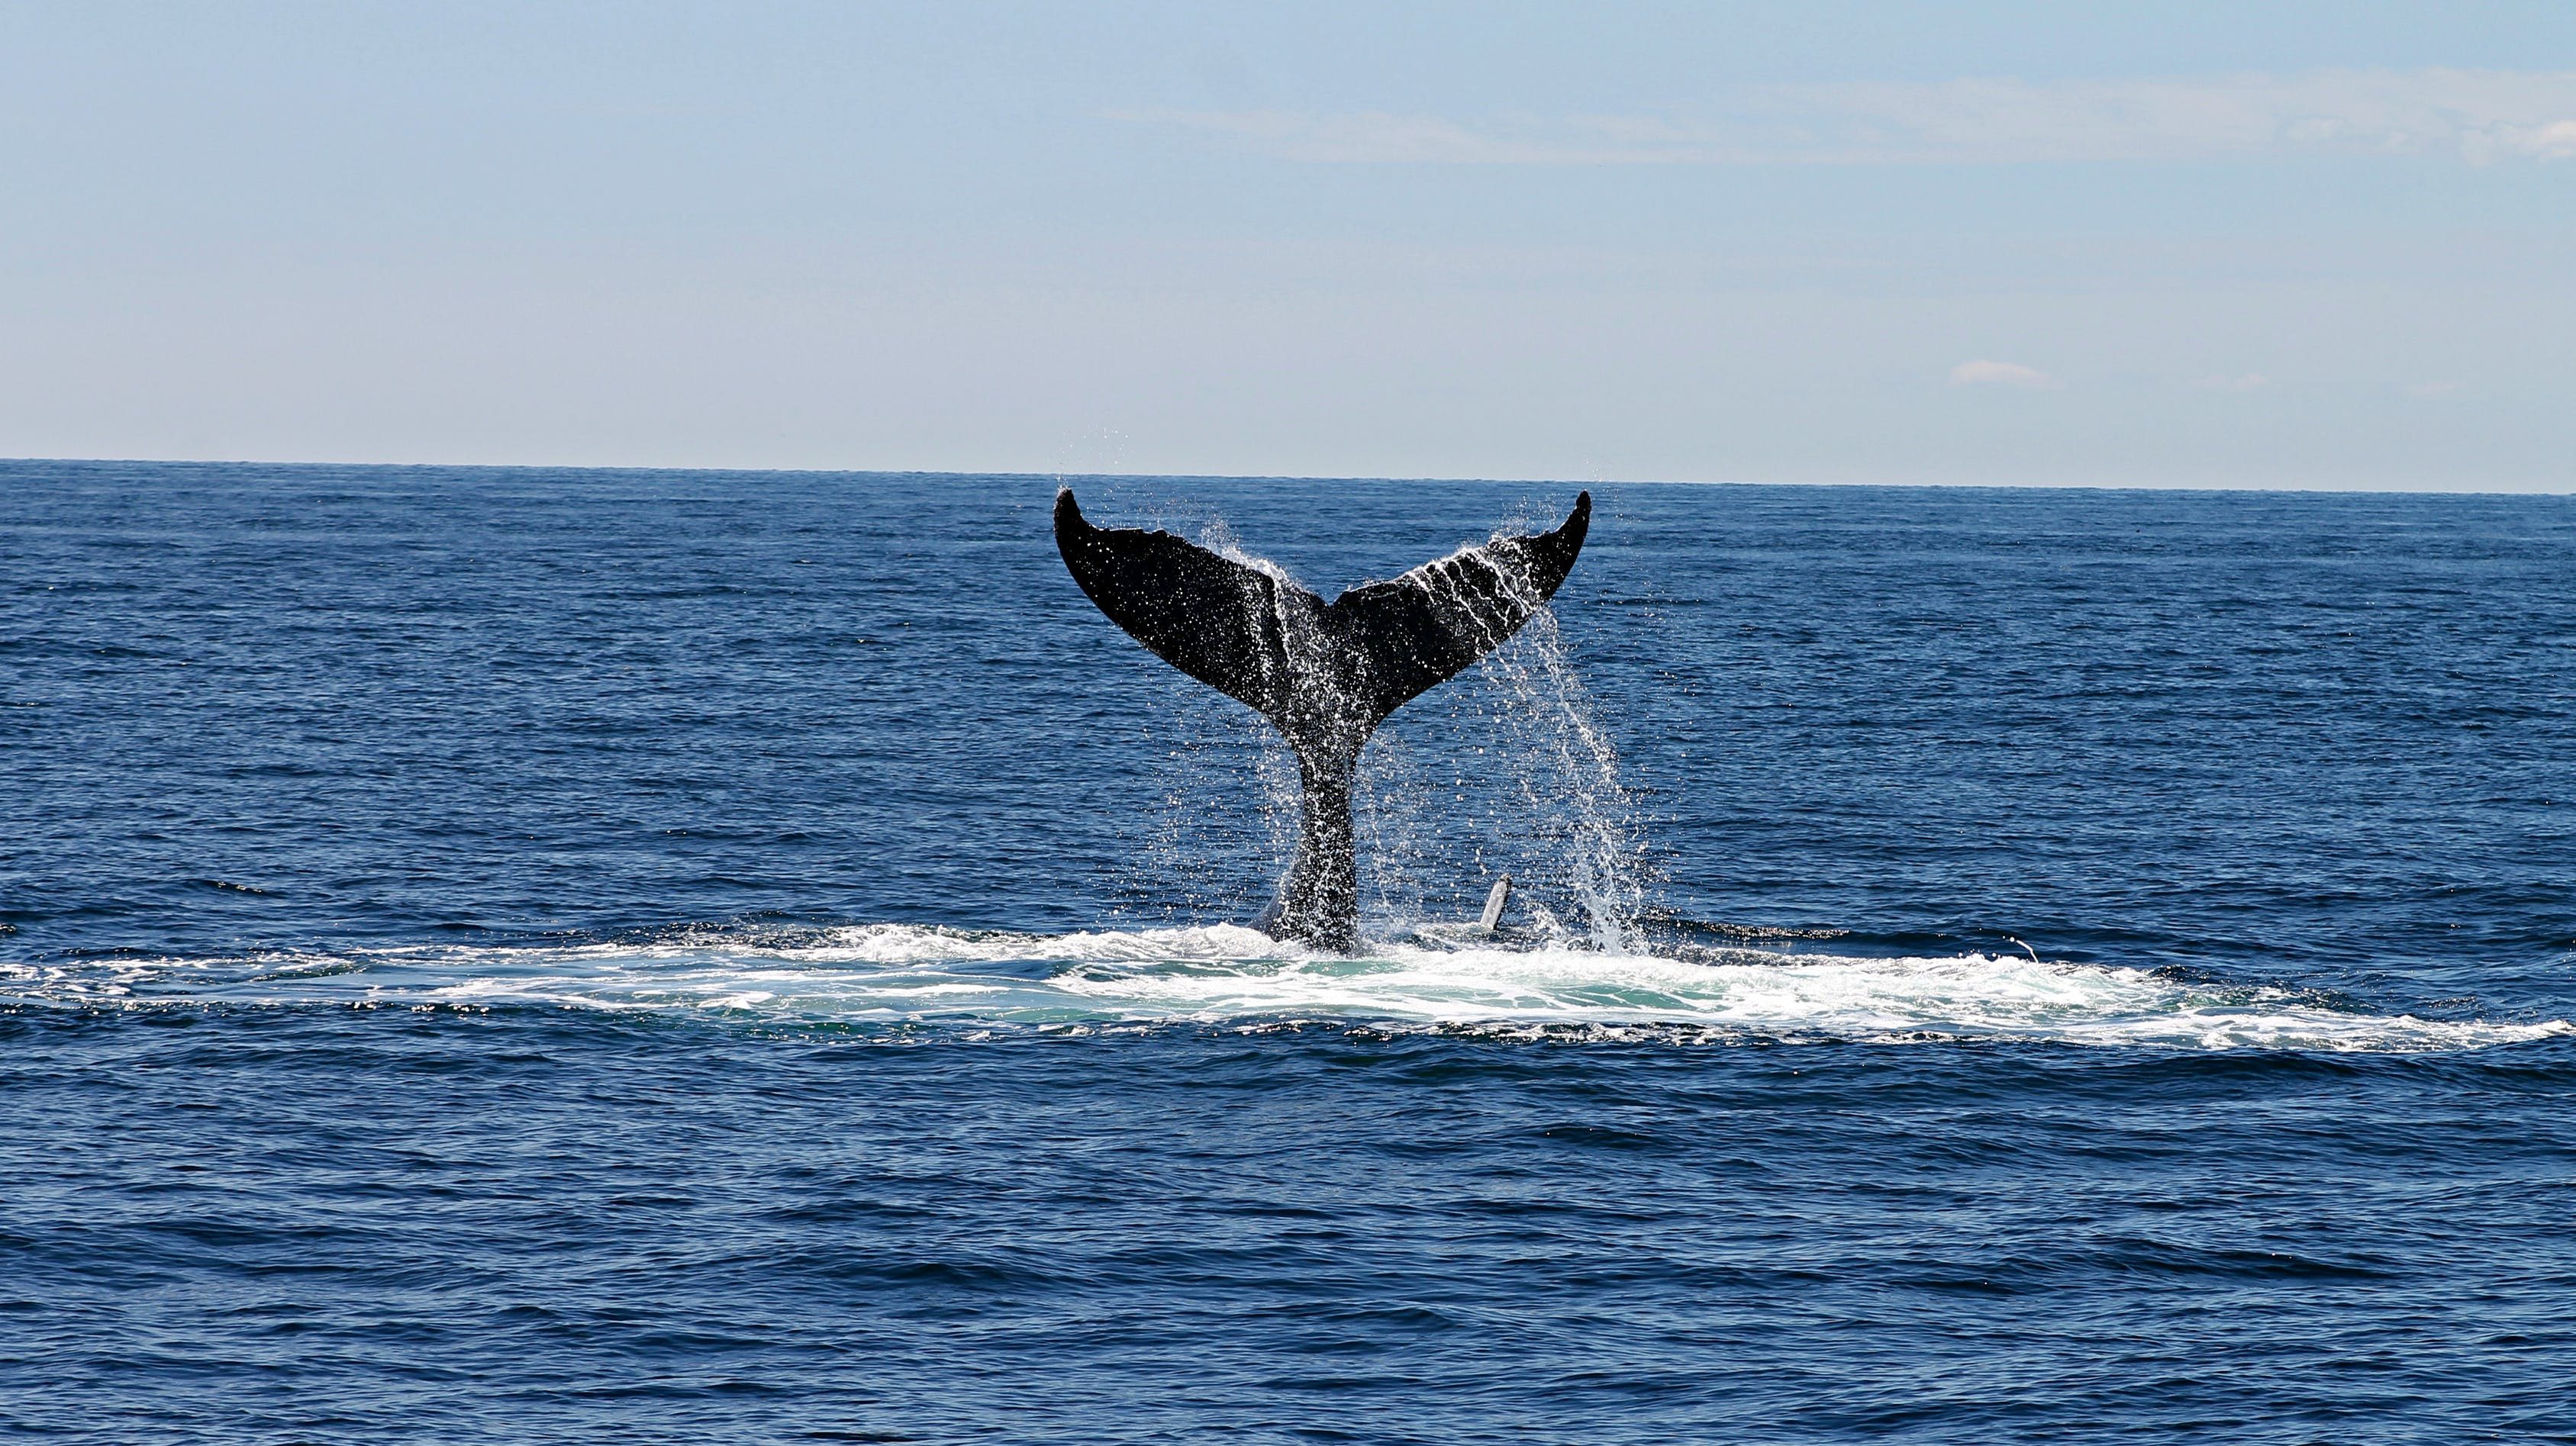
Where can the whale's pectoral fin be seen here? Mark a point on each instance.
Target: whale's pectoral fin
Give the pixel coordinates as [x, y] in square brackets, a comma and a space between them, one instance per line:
[1427, 626]
[1211, 617]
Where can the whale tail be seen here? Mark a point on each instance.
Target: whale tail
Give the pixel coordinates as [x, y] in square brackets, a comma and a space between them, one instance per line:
[1325, 675]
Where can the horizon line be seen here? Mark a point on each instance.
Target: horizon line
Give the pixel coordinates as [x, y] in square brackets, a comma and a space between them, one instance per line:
[1061, 474]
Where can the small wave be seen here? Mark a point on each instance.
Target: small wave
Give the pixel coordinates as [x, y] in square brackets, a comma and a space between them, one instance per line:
[1225, 975]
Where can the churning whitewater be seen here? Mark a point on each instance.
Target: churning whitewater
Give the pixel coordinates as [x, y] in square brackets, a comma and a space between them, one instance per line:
[1229, 976]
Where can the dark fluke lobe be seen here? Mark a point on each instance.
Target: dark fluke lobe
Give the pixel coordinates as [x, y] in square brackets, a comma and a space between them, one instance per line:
[1324, 674]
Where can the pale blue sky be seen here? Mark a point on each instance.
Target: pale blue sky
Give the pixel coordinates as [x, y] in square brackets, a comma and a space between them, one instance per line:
[2290, 245]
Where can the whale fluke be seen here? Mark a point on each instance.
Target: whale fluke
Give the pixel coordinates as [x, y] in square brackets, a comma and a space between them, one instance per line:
[1324, 674]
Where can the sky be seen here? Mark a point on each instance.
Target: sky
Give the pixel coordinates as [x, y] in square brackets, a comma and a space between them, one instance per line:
[2170, 244]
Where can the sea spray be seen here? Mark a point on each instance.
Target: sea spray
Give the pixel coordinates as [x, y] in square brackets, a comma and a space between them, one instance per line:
[1507, 767]
[1564, 774]
[1511, 766]
[1225, 814]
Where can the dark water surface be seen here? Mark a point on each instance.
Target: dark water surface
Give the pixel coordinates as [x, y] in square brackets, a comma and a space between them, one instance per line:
[510, 955]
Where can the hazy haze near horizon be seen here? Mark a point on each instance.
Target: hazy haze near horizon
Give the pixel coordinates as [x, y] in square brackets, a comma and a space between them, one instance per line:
[2149, 245]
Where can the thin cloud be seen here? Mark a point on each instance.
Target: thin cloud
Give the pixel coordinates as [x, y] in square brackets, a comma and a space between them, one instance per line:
[2249, 382]
[1383, 138]
[2482, 117]
[2000, 374]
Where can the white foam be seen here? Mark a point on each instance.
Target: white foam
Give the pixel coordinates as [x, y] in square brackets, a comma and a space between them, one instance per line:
[1225, 975]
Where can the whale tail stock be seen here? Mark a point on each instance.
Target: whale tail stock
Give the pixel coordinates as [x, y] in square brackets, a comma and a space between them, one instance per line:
[1324, 674]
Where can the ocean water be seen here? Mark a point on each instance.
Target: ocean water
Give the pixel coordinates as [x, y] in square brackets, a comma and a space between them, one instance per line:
[518, 955]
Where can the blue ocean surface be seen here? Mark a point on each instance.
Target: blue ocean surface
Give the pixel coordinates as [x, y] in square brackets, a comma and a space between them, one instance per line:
[522, 955]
